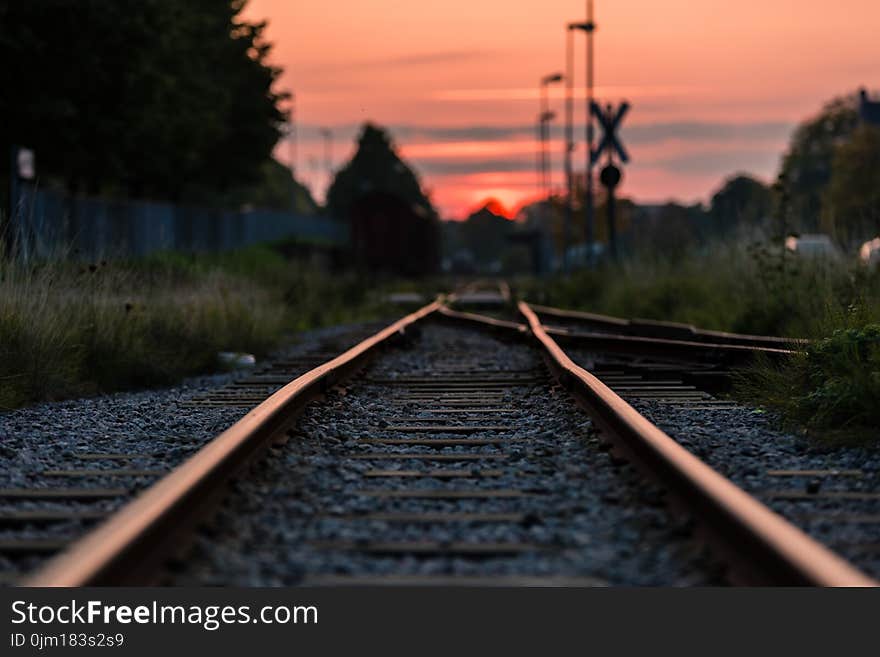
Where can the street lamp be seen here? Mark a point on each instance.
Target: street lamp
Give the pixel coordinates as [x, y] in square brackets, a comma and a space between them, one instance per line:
[291, 144]
[589, 27]
[544, 123]
[544, 119]
[328, 152]
[291, 134]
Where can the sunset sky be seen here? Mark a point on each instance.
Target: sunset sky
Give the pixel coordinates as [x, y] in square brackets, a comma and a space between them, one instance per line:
[716, 85]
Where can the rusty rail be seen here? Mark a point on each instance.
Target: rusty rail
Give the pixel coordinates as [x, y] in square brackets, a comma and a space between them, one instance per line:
[649, 328]
[488, 322]
[768, 547]
[722, 354]
[147, 530]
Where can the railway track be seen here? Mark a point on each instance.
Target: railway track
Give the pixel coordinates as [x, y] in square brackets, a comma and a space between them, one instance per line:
[74, 486]
[446, 448]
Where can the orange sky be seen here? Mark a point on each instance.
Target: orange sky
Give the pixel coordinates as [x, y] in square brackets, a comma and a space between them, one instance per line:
[716, 85]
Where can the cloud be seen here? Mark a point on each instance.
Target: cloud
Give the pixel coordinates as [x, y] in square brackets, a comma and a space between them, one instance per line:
[456, 166]
[464, 133]
[640, 133]
[722, 162]
[648, 133]
[401, 61]
[716, 161]
[495, 94]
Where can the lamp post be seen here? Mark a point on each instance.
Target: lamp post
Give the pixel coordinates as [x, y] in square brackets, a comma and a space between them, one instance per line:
[539, 135]
[291, 145]
[328, 153]
[569, 139]
[545, 117]
[588, 27]
[544, 122]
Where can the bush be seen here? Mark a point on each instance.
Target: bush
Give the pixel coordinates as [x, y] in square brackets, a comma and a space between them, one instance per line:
[832, 390]
[843, 379]
[747, 290]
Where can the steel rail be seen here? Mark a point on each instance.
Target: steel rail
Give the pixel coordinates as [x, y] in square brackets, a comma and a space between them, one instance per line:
[771, 549]
[727, 354]
[650, 328]
[147, 530]
[488, 322]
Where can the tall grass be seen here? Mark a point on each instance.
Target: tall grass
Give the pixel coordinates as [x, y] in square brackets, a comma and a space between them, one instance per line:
[745, 289]
[831, 391]
[71, 329]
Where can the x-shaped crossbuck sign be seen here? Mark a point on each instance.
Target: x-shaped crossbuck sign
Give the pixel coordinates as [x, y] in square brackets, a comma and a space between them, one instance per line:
[610, 122]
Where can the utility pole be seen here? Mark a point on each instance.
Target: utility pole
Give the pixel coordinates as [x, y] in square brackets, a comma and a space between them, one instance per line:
[590, 28]
[328, 152]
[610, 176]
[539, 174]
[545, 117]
[569, 143]
[293, 136]
[291, 144]
[7, 234]
[14, 235]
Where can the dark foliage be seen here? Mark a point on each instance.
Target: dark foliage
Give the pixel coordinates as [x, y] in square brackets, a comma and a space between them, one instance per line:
[807, 166]
[375, 167]
[392, 236]
[161, 98]
[742, 200]
[394, 227]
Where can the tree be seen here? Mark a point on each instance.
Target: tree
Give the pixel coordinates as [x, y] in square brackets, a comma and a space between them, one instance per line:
[852, 202]
[807, 166]
[375, 167]
[274, 190]
[486, 232]
[742, 201]
[163, 98]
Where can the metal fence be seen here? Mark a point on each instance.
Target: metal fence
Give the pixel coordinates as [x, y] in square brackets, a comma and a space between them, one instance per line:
[47, 224]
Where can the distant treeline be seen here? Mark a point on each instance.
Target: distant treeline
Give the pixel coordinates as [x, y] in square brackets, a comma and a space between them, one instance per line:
[164, 99]
[394, 226]
[828, 182]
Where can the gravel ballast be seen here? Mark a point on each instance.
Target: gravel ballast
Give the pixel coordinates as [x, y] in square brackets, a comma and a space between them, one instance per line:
[158, 428]
[303, 513]
[832, 493]
[566, 510]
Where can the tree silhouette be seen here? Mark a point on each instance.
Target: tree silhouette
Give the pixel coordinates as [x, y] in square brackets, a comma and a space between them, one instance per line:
[852, 203]
[807, 165]
[161, 98]
[741, 201]
[375, 167]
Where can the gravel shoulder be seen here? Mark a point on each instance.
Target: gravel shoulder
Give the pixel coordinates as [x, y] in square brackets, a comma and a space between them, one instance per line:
[582, 513]
[587, 515]
[156, 428]
[832, 493]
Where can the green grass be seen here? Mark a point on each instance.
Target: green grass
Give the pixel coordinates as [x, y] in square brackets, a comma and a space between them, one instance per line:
[70, 329]
[745, 290]
[830, 393]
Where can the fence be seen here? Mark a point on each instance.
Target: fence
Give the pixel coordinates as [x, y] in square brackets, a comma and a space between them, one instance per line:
[47, 223]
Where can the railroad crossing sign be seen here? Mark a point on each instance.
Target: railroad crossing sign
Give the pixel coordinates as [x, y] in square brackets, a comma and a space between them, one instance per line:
[610, 122]
[610, 176]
